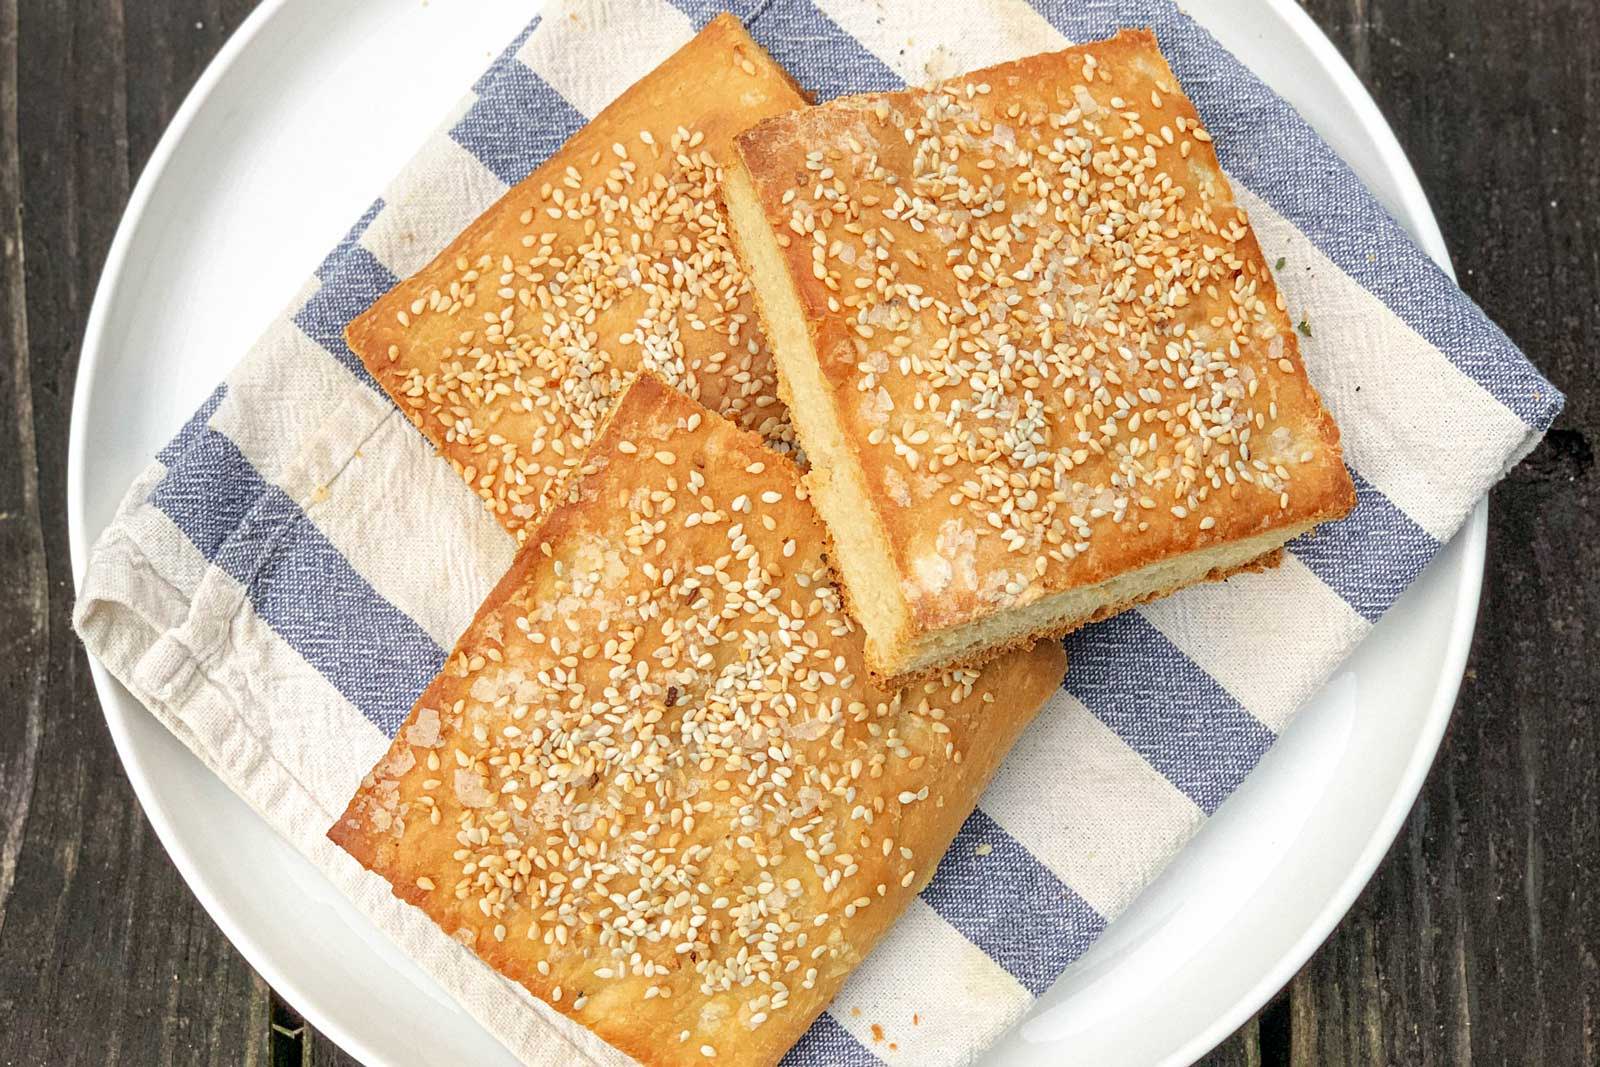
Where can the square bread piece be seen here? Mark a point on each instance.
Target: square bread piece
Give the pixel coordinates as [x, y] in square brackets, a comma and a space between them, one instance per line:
[509, 348]
[1031, 349]
[654, 783]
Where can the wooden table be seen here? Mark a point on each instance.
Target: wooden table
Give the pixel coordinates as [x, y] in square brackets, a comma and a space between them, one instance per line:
[1477, 942]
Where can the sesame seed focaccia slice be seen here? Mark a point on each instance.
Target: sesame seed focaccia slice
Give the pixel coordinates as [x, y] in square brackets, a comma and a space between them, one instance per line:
[654, 783]
[509, 348]
[1032, 350]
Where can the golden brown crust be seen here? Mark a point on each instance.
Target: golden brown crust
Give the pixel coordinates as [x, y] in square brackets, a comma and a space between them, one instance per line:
[508, 348]
[699, 785]
[1050, 347]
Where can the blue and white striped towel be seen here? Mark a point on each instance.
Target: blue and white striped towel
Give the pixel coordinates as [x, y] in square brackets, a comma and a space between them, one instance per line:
[284, 580]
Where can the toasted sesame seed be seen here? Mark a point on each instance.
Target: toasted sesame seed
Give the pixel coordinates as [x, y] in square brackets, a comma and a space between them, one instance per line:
[1003, 407]
[586, 224]
[1073, 340]
[664, 759]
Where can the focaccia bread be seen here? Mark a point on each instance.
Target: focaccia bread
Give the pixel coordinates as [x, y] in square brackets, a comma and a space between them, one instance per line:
[1032, 350]
[508, 349]
[653, 783]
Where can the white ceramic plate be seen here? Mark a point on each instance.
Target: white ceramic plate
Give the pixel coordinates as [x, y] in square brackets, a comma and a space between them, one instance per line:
[283, 141]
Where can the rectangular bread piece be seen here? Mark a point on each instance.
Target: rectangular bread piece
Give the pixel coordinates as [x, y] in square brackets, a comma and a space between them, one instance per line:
[1032, 350]
[654, 783]
[508, 349]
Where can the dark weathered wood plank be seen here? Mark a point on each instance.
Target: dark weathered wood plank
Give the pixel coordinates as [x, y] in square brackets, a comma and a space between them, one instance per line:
[1477, 939]
[1241, 1049]
[22, 581]
[175, 40]
[297, 1044]
[105, 956]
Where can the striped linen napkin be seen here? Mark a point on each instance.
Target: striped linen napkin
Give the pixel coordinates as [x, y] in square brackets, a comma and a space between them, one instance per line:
[283, 581]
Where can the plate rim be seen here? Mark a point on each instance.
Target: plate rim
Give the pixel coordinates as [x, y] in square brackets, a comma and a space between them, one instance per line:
[1472, 537]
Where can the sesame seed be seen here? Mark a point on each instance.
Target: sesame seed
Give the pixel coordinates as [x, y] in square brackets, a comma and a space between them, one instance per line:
[999, 405]
[639, 711]
[1053, 332]
[588, 224]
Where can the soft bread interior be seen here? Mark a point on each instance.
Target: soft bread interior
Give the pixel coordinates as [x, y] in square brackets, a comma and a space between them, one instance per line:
[861, 551]
[1069, 609]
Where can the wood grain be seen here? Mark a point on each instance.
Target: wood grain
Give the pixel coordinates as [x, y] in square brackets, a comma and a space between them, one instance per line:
[105, 956]
[22, 663]
[1476, 942]
[1241, 1049]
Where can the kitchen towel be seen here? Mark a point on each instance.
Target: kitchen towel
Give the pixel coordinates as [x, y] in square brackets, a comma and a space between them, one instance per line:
[283, 581]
